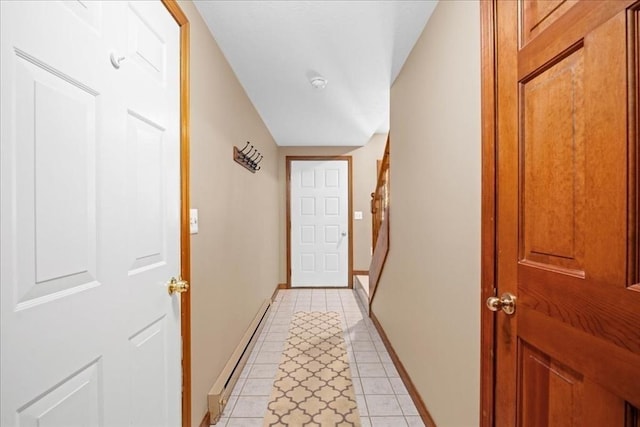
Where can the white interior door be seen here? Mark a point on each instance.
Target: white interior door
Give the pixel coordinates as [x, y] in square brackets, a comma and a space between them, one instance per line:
[319, 222]
[89, 180]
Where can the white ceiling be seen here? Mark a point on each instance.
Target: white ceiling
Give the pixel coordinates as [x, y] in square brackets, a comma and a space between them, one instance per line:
[275, 47]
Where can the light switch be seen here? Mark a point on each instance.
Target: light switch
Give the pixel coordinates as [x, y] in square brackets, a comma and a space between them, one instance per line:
[193, 221]
[357, 215]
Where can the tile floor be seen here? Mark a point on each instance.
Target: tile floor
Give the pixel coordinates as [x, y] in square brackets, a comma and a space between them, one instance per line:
[382, 397]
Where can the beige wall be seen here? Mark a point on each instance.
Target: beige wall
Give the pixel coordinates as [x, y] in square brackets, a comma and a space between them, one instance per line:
[364, 182]
[428, 300]
[234, 258]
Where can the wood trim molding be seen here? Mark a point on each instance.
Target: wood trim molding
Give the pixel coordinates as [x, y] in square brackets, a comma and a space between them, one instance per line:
[488, 228]
[185, 236]
[360, 272]
[404, 375]
[349, 160]
[633, 261]
[177, 13]
[206, 420]
[288, 219]
[379, 258]
[350, 204]
[275, 292]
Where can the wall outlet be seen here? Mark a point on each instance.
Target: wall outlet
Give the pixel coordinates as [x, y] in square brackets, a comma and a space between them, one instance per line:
[357, 215]
[193, 221]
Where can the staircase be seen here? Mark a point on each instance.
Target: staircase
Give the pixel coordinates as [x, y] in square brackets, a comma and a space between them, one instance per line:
[380, 224]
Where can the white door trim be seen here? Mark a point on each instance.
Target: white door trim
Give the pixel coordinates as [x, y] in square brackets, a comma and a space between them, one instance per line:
[349, 161]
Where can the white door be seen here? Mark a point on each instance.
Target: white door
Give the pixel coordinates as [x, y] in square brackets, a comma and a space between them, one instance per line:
[319, 222]
[89, 180]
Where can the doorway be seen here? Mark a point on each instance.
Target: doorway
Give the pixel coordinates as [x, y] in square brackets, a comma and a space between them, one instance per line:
[319, 221]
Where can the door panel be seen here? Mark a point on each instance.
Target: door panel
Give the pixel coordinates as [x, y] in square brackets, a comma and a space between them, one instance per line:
[540, 14]
[149, 363]
[570, 355]
[145, 189]
[552, 176]
[75, 401]
[550, 393]
[145, 44]
[319, 213]
[90, 12]
[58, 255]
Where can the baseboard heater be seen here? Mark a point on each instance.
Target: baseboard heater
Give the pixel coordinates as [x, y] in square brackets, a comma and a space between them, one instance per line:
[221, 390]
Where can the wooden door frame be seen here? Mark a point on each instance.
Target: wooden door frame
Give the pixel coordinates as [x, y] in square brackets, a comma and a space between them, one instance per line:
[349, 161]
[185, 234]
[488, 40]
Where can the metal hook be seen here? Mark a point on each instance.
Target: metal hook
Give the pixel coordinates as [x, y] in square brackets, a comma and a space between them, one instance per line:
[250, 153]
[244, 148]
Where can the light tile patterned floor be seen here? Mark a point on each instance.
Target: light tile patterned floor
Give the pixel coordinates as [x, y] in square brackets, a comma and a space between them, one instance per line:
[382, 397]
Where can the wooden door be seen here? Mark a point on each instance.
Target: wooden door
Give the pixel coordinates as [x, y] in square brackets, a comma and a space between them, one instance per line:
[90, 211]
[319, 212]
[567, 243]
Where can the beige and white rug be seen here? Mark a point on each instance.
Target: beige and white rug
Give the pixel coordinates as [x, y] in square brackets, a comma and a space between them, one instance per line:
[313, 385]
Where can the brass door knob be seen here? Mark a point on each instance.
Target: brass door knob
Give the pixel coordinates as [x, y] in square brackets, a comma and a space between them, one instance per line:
[506, 303]
[178, 285]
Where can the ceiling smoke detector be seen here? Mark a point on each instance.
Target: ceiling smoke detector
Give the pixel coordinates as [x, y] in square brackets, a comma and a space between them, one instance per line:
[318, 82]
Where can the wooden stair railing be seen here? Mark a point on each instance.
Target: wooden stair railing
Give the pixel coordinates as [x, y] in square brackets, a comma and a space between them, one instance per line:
[380, 224]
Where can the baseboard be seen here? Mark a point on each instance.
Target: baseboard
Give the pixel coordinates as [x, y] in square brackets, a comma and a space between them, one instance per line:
[206, 420]
[220, 392]
[360, 272]
[280, 286]
[413, 392]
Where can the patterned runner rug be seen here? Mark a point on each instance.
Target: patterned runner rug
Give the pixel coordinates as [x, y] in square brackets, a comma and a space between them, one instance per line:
[313, 385]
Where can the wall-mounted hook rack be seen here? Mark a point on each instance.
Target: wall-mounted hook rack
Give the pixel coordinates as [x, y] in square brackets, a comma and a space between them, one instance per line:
[248, 157]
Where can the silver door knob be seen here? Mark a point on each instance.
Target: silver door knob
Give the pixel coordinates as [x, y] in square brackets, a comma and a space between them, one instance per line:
[344, 233]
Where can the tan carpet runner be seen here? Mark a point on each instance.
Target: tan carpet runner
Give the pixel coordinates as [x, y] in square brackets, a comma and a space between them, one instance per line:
[313, 385]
